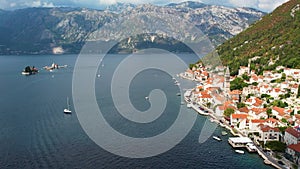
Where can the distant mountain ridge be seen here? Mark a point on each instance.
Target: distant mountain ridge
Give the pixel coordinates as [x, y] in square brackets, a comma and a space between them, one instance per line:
[275, 39]
[39, 30]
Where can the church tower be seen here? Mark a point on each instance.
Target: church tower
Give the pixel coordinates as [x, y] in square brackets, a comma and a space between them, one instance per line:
[227, 80]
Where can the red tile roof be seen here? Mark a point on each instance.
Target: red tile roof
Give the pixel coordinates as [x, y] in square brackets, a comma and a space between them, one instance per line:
[258, 121]
[257, 111]
[205, 73]
[295, 147]
[205, 95]
[293, 132]
[277, 90]
[268, 129]
[295, 86]
[239, 116]
[235, 92]
[244, 110]
[279, 110]
[272, 120]
[254, 77]
[297, 116]
[258, 102]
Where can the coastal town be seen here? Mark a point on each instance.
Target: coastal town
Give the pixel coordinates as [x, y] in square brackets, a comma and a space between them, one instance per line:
[261, 107]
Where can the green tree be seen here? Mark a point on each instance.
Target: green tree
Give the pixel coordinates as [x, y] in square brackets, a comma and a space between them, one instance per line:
[276, 146]
[238, 84]
[292, 113]
[269, 112]
[265, 96]
[245, 77]
[279, 103]
[191, 66]
[241, 105]
[284, 120]
[298, 95]
[228, 112]
[283, 77]
[254, 83]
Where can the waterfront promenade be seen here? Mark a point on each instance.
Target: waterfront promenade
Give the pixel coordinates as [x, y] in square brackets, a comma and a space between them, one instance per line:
[269, 160]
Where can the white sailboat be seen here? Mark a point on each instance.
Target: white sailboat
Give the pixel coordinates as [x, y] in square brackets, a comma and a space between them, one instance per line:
[67, 110]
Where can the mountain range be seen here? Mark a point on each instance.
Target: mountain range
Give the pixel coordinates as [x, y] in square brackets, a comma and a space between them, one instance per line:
[39, 30]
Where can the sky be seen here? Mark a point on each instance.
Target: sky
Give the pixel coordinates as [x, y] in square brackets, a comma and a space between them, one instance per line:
[263, 5]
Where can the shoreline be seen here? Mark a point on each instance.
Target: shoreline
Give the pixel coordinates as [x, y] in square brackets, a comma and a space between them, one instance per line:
[215, 120]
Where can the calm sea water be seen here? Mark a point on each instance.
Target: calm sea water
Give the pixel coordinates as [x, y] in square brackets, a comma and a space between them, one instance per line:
[35, 133]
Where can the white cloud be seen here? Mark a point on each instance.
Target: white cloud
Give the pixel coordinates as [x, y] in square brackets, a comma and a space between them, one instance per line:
[264, 5]
[36, 3]
[48, 5]
[106, 2]
[244, 3]
[39, 3]
[12, 4]
[269, 5]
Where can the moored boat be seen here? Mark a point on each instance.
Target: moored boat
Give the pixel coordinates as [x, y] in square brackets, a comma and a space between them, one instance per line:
[217, 138]
[251, 147]
[224, 133]
[239, 151]
[30, 70]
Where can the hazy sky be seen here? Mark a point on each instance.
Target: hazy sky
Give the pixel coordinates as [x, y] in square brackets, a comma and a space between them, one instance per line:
[264, 5]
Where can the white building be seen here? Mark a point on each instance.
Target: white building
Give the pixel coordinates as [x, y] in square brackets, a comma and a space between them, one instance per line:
[292, 136]
[239, 120]
[267, 133]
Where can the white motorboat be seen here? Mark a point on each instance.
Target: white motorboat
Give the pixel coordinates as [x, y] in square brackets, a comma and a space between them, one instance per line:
[217, 138]
[239, 151]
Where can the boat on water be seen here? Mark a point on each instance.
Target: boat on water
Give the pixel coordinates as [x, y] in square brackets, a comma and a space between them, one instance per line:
[224, 133]
[54, 66]
[217, 138]
[189, 105]
[25, 73]
[178, 94]
[30, 70]
[251, 147]
[147, 98]
[67, 110]
[239, 151]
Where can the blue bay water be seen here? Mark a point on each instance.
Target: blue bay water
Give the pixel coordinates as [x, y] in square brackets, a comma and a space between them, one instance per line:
[35, 133]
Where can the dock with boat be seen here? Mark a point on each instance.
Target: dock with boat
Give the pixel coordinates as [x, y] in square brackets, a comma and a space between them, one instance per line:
[238, 142]
[242, 142]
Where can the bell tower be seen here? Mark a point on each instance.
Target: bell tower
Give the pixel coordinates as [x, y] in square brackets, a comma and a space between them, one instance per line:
[227, 80]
